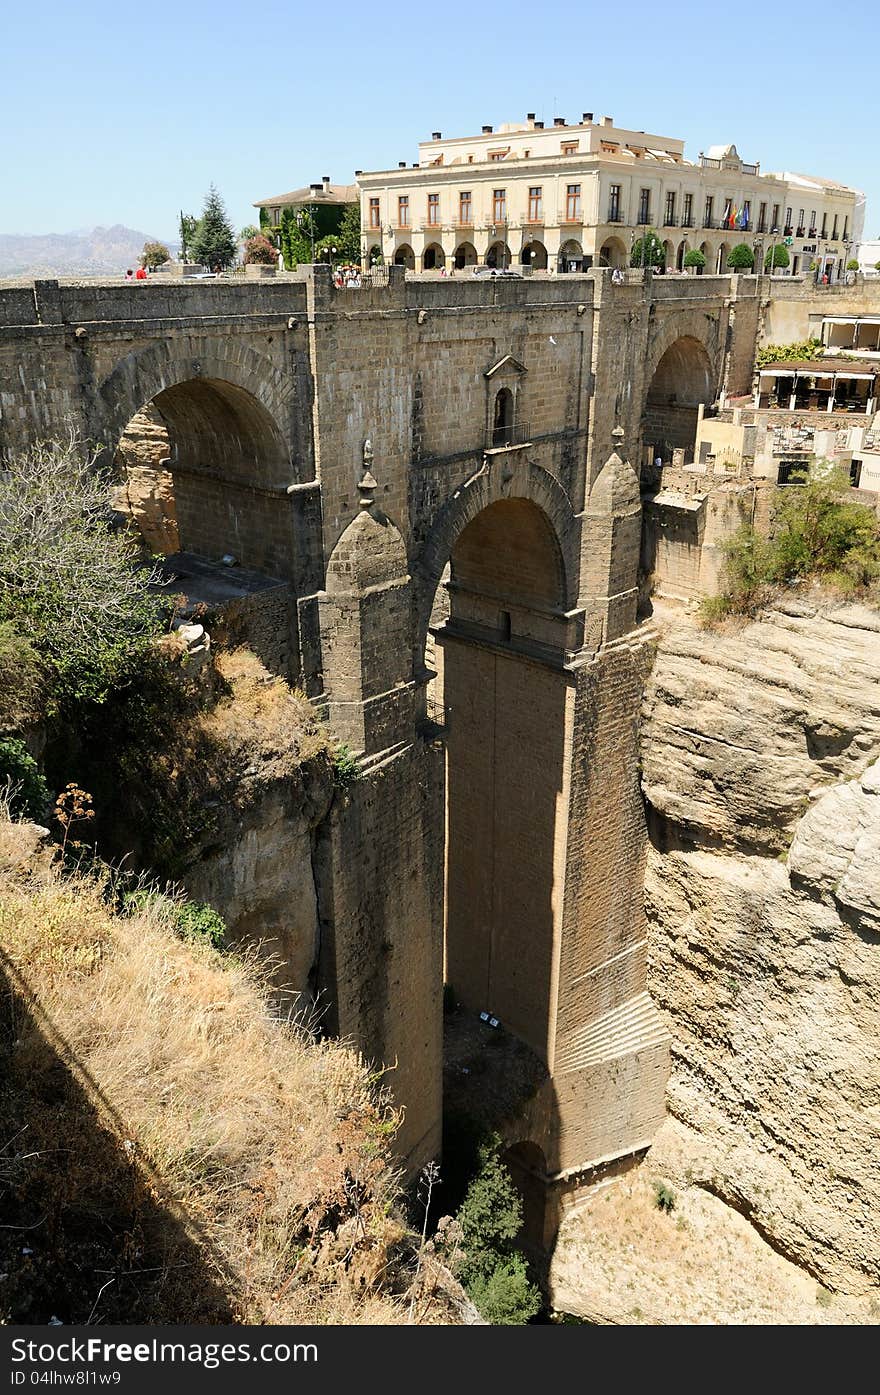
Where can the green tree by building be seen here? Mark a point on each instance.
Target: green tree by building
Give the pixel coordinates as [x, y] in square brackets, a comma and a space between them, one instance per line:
[648, 251]
[214, 242]
[741, 257]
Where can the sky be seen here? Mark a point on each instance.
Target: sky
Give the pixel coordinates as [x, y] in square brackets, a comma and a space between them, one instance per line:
[122, 114]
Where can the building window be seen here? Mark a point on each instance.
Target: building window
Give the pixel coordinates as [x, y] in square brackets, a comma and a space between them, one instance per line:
[762, 218]
[669, 217]
[845, 226]
[276, 217]
[745, 216]
[644, 205]
[570, 147]
[834, 230]
[497, 154]
[499, 205]
[572, 203]
[433, 209]
[787, 222]
[536, 210]
[800, 222]
[774, 221]
[614, 204]
[374, 213]
[727, 215]
[707, 212]
[688, 215]
[465, 209]
[824, 232]
[403, 210]
[502, 418]
[812, 221]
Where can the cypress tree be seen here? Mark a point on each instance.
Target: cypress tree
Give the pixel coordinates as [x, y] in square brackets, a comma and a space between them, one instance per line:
[214, 241]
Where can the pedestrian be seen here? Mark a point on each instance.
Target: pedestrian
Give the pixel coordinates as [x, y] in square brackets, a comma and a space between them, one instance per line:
[141, 274]
[129, 275]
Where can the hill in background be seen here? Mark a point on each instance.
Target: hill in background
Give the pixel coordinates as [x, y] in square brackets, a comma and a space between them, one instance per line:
[101, 252]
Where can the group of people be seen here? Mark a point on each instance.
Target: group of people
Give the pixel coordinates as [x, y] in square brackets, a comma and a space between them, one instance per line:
[347, 277]
[139, 275]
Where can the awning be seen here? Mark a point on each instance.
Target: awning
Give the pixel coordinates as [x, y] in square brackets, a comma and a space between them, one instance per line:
[673, 499]
[851, 320]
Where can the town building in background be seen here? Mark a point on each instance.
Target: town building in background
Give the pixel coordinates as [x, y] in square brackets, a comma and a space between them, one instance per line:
[567, 197]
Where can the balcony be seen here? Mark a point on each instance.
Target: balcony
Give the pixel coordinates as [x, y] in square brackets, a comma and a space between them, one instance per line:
[687, 221]
[801, 232]
[509, 437]
[465, 223]
[670, 222]
[615, 215]
[751, 169]
[572, 219]
[787, 230]
[707, 163]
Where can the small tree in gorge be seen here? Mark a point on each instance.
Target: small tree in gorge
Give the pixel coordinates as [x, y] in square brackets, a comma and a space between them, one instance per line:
[214, 242]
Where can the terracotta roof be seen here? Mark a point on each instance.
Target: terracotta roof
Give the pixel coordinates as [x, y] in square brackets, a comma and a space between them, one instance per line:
[336, 193]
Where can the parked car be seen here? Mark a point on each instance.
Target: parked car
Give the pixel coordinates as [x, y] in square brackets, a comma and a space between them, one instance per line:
[496, 271]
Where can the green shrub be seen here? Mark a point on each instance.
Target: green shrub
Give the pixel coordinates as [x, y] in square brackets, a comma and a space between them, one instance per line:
[694, 257]
[505, 1296]
[852, 264]
[20, 775]
[776, 256]
[195, 921]
[782, 353]
[346, 767]
[490, 1217]
[664, 1197]
[70, 582]
[817, 532]
[648, 250]
[21, 677]
[741, 257]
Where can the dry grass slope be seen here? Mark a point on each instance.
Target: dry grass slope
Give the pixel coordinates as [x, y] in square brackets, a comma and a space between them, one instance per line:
[170, 1148]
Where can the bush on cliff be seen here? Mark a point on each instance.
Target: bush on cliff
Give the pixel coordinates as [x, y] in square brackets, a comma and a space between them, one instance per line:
[817, 533]
[70, 585]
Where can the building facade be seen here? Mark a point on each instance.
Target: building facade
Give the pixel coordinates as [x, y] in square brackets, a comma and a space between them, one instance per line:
[568, 197]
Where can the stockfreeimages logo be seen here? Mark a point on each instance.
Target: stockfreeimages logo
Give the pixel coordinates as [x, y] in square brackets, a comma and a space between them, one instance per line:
[94, 1351]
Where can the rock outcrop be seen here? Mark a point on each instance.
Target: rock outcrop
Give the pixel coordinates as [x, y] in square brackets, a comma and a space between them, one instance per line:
[146, 492]
[762, 779]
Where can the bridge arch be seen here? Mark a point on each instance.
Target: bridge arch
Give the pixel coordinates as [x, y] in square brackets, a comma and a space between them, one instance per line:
[228, 452]
[517, 478]
[681, 374]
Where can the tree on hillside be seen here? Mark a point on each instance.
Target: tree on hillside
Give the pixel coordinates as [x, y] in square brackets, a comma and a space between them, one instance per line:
[154, 254]
[777, 255]
[214, 242]
[648, 251]
[494, 1273]
[741, 257]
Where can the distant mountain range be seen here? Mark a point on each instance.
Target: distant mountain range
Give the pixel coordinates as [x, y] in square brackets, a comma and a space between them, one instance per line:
[101, 252]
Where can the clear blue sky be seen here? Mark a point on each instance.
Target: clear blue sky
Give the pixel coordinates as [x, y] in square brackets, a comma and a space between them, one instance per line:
[124, 114]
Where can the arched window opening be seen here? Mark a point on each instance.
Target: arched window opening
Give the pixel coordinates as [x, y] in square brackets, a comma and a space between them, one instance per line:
[502, 421]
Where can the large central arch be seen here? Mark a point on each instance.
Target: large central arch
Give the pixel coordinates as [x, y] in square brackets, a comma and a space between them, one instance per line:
[500, 656]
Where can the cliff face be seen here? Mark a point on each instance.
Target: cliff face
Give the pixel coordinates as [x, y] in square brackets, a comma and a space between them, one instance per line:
[761, 774]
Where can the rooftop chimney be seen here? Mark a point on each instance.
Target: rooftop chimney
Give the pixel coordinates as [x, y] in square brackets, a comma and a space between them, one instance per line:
[358, 173]
[559, 121]
[436, 135]
[401, 164]
[487, 130]
[539, 125]
[530, 116]
[325, 180]
[607, 120]
[315, 188]
[587, 117]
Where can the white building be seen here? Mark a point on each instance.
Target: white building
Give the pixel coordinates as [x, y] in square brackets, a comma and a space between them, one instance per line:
[567, 197]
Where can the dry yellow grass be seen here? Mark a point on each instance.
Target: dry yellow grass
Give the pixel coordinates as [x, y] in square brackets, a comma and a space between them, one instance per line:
[166, 1134]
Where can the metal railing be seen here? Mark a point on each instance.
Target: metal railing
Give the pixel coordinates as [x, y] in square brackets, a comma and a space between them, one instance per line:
[515, 433]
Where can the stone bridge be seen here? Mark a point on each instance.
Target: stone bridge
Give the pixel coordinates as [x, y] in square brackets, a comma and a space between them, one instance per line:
[445, 476]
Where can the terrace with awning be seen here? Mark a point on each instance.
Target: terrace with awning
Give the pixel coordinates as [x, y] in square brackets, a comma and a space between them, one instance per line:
[855, 333]
[818, 385]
